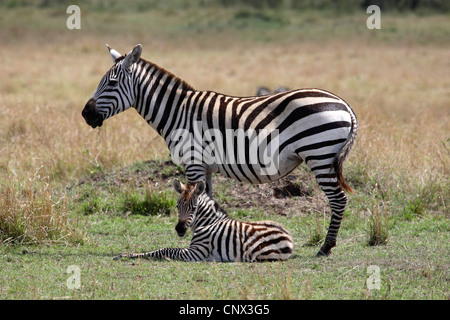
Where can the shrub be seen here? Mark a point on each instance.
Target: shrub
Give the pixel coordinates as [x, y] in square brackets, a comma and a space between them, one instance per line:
[378, 227]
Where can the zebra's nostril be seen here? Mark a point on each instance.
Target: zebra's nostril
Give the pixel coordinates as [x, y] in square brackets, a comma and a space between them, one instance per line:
[91, 114]
[85, 113]
[180, 228]
[89, 109]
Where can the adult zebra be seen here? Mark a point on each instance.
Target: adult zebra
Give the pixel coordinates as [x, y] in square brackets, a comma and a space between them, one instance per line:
[309, 125]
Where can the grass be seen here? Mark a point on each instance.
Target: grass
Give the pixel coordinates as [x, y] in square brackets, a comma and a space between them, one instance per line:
[30, 216]
[409, 269]
[128, 202]
[316, 232]
[71, 195]
[413, 263]
[378, 230]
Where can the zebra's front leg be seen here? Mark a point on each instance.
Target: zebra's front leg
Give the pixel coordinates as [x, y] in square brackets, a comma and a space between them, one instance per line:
[196, 172]
[209, 184]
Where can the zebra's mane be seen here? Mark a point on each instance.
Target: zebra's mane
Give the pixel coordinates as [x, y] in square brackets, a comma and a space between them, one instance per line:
[178, 81]
[217, 207]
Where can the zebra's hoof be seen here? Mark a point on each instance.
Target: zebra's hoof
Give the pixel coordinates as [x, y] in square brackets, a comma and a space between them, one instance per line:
[118, 257]
[323, 254]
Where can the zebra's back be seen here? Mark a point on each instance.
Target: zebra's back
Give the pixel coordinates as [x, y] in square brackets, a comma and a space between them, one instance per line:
[288, 127]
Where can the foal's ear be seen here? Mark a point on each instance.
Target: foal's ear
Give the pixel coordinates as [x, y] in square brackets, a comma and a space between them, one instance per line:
[178, 186]
[200, 187]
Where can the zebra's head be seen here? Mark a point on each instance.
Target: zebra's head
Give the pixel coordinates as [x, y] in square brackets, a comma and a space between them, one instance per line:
[115, 92]
[187, 204]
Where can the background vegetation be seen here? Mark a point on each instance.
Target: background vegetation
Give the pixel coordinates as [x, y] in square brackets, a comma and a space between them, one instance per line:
[139, 5]
[71, 195]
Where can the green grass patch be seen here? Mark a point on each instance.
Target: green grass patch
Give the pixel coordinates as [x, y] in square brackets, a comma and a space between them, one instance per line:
[413, 262]
[408, 268]
[156, 201]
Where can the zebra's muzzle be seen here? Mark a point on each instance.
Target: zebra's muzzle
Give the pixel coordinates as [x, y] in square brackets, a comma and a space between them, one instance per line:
[91, 115]
[181, 228]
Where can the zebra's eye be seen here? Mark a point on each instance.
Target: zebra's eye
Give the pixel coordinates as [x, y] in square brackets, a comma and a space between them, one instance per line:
[112, 82]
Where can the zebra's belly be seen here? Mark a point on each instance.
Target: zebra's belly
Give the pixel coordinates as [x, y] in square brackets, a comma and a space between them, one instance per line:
[271, 170]
[216, 257]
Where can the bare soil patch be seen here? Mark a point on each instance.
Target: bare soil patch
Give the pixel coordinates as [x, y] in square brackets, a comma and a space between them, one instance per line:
[297, 193]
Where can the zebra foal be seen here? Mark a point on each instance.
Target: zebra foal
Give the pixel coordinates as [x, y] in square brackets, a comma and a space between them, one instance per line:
[249, 139]
[217, 237]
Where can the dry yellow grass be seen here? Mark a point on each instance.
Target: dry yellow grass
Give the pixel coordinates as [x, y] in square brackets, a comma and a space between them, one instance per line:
[399, 91]
[400, 95]
[36, 216]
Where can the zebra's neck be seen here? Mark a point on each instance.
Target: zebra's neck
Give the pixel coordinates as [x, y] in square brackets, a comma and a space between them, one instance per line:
[208, 212]
[159, 95]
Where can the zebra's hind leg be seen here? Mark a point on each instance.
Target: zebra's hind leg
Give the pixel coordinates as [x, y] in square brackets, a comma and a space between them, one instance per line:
[130, 255]
[338, 202]
[183, 254]
[328, 182]
[157, 254]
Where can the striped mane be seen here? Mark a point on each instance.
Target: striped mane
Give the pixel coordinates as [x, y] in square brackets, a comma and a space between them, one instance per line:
[177, 80]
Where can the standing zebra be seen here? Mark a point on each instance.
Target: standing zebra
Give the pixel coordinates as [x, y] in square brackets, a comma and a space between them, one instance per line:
[217, 237]
[305, 125]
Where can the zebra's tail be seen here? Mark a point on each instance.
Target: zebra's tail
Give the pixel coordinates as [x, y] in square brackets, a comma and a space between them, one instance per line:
[343, 153]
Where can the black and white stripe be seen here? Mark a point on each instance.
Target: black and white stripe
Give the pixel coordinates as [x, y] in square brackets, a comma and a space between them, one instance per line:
[217, 237]
[313, 126]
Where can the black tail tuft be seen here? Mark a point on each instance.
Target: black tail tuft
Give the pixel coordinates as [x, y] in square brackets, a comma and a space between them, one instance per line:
[343, 153]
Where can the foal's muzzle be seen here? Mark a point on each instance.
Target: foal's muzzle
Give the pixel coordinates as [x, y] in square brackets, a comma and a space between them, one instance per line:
[181, 228]
[91, 115]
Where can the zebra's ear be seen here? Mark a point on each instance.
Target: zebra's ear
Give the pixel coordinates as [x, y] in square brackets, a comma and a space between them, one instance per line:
[200, 187]
[114, 54]
[178, 186]
[132, 57]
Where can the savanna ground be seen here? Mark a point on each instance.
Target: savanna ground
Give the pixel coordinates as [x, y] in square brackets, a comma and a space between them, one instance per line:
[75, 196]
